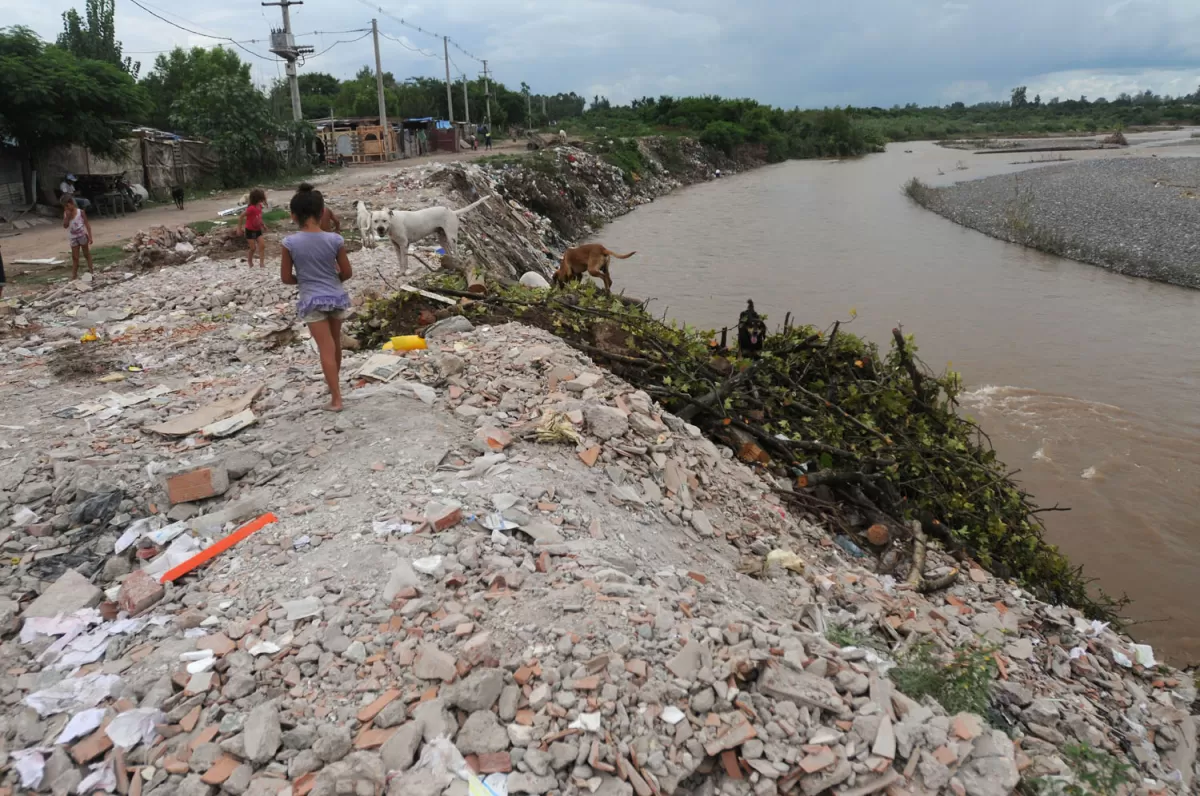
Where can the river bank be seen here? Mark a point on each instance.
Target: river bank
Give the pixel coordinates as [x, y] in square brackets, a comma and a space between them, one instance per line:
[1137, 217]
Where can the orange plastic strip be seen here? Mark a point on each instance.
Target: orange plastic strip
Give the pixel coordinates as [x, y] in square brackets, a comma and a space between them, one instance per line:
[204, 556]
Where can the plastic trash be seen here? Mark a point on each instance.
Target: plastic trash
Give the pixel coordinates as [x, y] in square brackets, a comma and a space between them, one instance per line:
[786, 559]
[1144, 655]
[428, 566]
[672, 715]
[849, 546]
[135, 726]
[408, 342]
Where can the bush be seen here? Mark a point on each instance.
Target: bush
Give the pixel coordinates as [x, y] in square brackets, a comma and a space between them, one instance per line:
[963, 684]
[725, 136]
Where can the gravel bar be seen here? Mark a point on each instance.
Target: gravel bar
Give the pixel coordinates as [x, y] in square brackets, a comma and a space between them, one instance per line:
[1139, 217]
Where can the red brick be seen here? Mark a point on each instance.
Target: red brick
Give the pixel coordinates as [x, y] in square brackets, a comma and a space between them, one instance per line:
[590, 455]
[198, 484]
[445, 517]
[219, 643]
[372, 710]
[587, 683]
[139, 592]
[221, 770]
[495, 763]
[91, 747]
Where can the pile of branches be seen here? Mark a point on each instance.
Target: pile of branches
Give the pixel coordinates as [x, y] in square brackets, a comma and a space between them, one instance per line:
[865, 438]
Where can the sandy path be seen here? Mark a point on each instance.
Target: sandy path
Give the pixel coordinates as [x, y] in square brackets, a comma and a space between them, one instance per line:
[50, 240]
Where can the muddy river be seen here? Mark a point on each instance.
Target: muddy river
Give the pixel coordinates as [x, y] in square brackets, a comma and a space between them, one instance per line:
[1087, 381]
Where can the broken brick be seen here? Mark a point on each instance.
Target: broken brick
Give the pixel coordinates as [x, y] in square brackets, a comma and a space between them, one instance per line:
[197, 484]
[139, 592]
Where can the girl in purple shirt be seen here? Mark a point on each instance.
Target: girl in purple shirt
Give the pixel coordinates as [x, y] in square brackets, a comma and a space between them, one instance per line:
[316, 261]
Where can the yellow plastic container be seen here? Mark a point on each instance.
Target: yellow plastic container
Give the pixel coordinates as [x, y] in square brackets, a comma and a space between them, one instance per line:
[408, 342]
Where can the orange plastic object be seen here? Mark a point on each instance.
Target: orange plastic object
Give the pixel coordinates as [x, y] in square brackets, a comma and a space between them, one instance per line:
[204, 556]
[408, 342]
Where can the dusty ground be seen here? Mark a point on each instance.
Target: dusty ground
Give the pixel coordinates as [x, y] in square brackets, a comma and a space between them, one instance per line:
[49, 240]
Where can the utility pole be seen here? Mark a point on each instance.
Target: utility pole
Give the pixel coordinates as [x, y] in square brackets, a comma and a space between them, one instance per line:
[528, 111]
[284, 45]
[487, 94]
[449, 96]
[466, 102]
[383, 121]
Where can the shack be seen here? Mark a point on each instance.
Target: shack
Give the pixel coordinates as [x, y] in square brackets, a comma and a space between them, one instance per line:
[357, 140]
[438, 132]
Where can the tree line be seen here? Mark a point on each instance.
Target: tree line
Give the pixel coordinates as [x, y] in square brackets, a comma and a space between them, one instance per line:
[82, 89]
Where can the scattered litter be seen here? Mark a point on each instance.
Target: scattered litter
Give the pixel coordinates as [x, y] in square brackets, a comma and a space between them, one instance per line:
[135, 726]
[672, 715]
[23, 516]
[230, 425]
[849, 546]
[267, 647]
[30, 765]
[1122, 659]
[1144, 655]
[102, 778]
[786, 559]
[75, 693]
[382, 367]
[425, 293]
[81, 724]
[389, 527]
[496, 522]
[588, 722]
[192, 422]
[216, 549]
[42, 261]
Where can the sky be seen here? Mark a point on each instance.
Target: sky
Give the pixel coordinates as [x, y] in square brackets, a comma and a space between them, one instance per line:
[806, 53]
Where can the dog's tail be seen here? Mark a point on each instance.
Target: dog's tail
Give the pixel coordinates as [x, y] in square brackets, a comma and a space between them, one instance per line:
[619, 256]
[471, 206]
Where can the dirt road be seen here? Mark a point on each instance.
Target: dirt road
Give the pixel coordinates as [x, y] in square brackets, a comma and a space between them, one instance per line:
[50, 240]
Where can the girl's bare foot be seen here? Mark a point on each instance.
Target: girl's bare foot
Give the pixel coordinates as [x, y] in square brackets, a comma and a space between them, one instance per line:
[333, 407]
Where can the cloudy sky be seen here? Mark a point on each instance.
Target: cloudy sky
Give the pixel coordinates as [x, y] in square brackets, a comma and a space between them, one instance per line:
[785, 52]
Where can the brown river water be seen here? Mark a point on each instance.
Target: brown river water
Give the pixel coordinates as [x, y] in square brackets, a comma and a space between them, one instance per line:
[1087, 381]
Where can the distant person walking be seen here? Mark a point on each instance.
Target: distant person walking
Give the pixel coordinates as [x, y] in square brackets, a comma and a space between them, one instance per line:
[422, 142]
[250, 223]
[487, 136]
[79, 234]
[316, 261]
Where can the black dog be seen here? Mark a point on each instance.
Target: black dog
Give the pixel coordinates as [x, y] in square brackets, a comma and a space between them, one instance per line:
[751, 332]
[177, 195]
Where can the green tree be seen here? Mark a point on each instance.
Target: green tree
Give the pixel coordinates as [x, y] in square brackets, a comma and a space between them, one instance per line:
[96, 37]
[178, 72]
[50, 97]
[236, 118]
[1018, 97]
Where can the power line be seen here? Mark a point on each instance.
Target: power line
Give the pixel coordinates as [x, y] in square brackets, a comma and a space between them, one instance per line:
[198, 33]
[418, 28]
[335, 44]
[406, 46]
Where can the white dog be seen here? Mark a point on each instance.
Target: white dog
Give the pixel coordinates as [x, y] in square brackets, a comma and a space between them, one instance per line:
[409, 226]
[363, 222]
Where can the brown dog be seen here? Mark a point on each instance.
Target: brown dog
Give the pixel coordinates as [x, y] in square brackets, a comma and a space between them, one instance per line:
[590, 258]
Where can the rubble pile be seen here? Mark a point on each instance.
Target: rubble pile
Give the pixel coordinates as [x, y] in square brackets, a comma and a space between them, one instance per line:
[161, 246]
[500, 563]
[501, 570]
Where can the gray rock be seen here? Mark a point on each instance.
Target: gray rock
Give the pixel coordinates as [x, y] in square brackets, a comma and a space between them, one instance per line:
[481, 733]
[301, 737]
[435, 719]
[534, 280]
[334, 743]
[605, 422]
[510, 697]
[452, 325]
[262, 734]
[356, 652]
[240, 684]
[66, 595]
[33, 491]
[703, 700]
[563, 755]
[303, 763]
[400, 750]
[403, 576]
[204, 756]
[786, 684]
[528, 783]
[992, 768]
[192, 785]
[393, 714]
[538, 761]
[239, 780]
[239, 463]
[479, 691]
[433, 664]
[115, 567]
